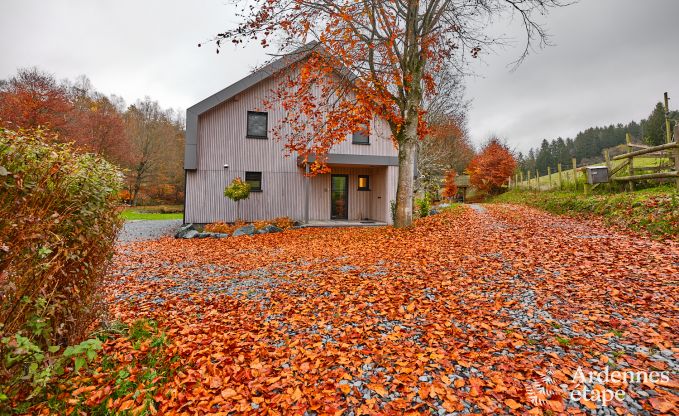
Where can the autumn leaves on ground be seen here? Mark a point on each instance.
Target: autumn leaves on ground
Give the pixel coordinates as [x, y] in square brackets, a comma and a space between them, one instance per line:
[468, 311]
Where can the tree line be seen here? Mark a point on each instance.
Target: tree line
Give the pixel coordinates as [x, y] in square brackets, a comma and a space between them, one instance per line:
[588, 145]
[145, 140]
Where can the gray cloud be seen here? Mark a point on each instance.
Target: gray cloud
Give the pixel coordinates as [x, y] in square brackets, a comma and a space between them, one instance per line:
[611, 62]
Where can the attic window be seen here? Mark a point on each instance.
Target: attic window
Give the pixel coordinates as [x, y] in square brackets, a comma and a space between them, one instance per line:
[362, 136]
[257, 125]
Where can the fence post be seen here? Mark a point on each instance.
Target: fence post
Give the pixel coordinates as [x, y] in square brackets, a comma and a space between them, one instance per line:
[528, 176]
[668, 131]
[575, 174]
[549, 172]
[537, 179]
[558, 166]
[521, 178]
[676, 161]
[628, 139]
[607, 157]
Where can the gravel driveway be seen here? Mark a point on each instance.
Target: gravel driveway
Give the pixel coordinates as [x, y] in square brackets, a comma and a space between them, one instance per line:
[140, 230]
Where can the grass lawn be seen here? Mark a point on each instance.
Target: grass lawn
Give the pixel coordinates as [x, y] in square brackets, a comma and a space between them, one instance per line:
[654, 210]
[149, 213]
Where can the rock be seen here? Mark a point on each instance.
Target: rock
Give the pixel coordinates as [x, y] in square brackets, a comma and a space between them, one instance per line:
[220, 235]
[204, 235]
[189, 234]
[183, 230]
[269, 228]
[433, 211]
[244, 230]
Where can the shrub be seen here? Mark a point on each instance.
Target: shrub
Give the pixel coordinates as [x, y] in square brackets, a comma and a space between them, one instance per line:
[58, 225]
[219, 227]
[237, 190]
[222, 227]
[423, 205]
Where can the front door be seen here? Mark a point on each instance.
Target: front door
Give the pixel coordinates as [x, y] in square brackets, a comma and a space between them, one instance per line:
[339, 197]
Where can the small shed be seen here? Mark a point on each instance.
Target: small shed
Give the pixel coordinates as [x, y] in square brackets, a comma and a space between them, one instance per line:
[463, 184]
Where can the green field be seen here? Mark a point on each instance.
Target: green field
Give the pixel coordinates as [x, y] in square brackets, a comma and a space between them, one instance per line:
[157, 212]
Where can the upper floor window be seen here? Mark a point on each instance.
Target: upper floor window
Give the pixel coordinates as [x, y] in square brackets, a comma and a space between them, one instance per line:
[257, 125]
[362, 136]
[255, 181]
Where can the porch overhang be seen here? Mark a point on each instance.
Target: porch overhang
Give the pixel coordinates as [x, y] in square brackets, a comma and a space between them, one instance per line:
[364, 160]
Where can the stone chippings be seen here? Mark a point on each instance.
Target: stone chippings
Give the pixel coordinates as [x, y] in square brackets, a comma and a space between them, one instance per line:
[514, 299]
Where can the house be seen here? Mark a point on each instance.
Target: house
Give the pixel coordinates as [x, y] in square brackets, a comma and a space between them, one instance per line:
[228, 135]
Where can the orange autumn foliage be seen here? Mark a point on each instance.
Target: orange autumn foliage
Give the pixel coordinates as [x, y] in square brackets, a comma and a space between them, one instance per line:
[491, 168]
[449, 186]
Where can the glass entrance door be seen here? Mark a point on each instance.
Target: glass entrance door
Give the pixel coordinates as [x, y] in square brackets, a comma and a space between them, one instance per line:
[339, 197]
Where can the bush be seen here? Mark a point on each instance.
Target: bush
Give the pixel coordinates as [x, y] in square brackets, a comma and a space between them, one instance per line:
[58, 225]
[222, 227]
[423, 205]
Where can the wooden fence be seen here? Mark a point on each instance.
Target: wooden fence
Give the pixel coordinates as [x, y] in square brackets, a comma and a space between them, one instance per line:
[568, 178]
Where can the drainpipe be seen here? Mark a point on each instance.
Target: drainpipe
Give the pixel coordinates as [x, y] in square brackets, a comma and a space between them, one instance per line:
[306, 193]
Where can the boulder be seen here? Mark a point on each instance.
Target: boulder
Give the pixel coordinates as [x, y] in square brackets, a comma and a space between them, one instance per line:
[204, 235]
[220, 235]
[183, 230]
[433, 211]
[269, 228]
[244, 230]
[189, 234]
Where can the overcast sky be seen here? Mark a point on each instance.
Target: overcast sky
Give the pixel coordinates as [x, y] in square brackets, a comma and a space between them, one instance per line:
[611, 60]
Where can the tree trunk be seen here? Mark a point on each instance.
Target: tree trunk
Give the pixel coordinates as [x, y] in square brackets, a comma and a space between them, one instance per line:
[406, 175]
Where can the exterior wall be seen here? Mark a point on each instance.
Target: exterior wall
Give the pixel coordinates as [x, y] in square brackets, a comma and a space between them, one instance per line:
[371, 204]
[221, 141]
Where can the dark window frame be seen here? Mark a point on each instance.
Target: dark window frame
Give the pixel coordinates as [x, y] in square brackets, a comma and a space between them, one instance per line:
[247, 125]
[253, 189]
[363, 133]
[367, 181]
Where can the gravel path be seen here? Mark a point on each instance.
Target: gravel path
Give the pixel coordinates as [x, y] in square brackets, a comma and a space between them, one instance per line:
[141, 230]
[494, 309]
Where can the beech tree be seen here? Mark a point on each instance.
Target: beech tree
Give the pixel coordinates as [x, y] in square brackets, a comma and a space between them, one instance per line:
[34, 99]
[385, 52]
[491, 168]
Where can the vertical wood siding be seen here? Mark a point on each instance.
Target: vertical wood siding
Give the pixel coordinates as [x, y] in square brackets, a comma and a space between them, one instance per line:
[222, 141]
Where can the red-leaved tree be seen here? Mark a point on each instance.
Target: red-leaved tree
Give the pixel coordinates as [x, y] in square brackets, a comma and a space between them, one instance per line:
[33, 99]
[491, 168]
[371, 59]
[449, 185]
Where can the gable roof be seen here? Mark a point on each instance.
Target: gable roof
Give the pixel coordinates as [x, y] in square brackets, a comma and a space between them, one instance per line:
[192, 113]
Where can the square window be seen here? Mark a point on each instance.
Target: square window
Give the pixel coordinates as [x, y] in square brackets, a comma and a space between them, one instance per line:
[361, 136]
[257, 125]
[255, 181]
[363, 182]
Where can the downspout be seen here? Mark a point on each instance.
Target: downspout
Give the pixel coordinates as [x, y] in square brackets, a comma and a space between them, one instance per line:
[306, 193]
[184, 210]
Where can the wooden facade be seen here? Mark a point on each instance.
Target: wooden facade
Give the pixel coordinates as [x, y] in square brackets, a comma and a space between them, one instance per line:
[222, 152]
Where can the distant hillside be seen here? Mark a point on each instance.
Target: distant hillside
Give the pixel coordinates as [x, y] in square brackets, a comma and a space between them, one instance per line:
[588, 145]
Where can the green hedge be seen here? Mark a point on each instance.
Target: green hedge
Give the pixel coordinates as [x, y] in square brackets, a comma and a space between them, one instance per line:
[58, 226]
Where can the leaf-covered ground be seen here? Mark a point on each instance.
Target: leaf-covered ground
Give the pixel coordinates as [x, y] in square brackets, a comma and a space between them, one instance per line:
[468, 311]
